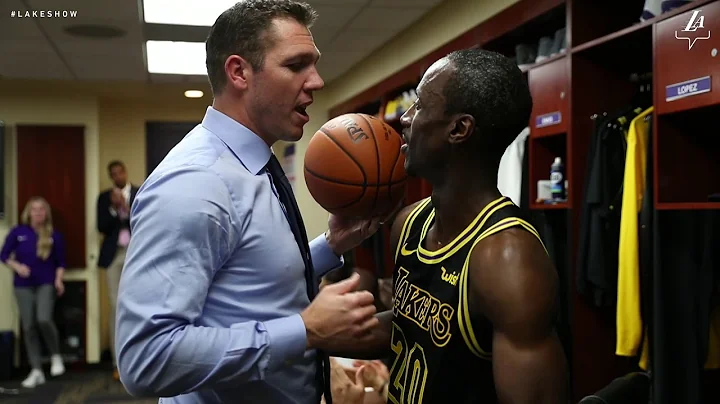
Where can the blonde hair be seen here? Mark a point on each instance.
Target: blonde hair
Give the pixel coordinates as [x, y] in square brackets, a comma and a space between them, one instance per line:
[45, 242]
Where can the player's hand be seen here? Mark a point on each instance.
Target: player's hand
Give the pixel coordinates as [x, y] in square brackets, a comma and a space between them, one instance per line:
[339, 317]
[385, 292]
[344, 234]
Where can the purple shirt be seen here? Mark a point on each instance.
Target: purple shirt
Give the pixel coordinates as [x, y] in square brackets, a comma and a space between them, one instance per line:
[22, 240]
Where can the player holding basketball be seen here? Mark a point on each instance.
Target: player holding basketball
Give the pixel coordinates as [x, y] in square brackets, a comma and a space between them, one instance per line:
[474, 290]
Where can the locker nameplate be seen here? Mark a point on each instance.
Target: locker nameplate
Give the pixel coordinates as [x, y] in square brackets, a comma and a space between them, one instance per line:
[552, 118]
[688, 88]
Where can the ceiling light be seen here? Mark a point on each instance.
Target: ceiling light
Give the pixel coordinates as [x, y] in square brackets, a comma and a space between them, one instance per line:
[185, 12]
[167, 57]
[193, 93]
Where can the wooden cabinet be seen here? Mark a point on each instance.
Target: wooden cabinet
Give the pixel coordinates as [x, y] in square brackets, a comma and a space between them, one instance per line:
[549, 87]
[687, 168]
[687, 60]
[687, 100]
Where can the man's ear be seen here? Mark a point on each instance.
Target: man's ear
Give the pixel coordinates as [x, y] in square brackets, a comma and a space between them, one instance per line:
[461, 128]
[238, 72]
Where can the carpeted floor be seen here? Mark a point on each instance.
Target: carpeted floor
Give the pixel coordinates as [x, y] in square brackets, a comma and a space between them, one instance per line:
[74, 387]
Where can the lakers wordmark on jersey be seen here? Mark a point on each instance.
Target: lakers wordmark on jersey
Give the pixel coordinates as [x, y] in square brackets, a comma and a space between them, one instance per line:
[442, 351]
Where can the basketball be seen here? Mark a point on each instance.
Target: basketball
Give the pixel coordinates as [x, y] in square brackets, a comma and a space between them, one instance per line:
[354, 168]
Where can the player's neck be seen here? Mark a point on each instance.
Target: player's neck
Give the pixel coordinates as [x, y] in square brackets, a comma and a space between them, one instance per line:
[457, 202]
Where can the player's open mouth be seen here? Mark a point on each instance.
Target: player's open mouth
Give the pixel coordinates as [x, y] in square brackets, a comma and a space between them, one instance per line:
[301, 110]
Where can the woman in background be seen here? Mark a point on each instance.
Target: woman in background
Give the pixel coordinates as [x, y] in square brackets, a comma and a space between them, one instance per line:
[37, 255]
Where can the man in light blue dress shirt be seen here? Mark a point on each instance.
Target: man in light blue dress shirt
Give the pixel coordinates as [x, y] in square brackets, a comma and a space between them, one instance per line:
[212, 305]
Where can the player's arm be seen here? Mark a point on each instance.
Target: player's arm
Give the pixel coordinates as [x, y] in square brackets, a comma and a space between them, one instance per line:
[513, 282]
[376, 345]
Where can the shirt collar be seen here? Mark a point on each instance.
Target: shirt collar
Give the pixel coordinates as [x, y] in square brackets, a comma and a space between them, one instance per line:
[249, 148]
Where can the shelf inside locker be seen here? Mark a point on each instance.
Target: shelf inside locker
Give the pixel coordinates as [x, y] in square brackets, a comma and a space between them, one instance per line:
[687, 165]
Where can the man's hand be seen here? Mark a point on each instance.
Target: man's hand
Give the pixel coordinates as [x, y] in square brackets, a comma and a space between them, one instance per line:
[375, 375]
[344, 389]
[116, 198]
[339, 317]
[348, 385]
[344, 234]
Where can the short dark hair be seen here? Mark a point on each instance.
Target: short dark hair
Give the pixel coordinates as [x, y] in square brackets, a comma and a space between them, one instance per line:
[115, 163]
[491, 88]
[242, 30]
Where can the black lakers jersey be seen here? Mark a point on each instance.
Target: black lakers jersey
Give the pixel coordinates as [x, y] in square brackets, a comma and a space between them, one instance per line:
[442, 352]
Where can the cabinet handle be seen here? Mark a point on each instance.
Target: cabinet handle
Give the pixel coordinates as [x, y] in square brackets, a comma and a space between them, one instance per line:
[562, 95]
[713, 52]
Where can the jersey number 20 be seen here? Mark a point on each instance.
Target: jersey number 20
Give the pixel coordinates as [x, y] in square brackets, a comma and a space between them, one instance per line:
[408, 385]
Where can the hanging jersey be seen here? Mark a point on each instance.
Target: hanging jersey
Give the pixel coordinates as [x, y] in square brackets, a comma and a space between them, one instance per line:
[442, 351]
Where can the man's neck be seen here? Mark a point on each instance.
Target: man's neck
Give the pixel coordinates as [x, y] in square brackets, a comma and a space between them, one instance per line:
[458, 200]
[238, 114]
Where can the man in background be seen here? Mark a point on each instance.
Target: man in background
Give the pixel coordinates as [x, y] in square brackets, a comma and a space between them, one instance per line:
[113, 221]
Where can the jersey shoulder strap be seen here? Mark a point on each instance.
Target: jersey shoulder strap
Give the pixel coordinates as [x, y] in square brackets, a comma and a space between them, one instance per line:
[413, 221]
[505, 221]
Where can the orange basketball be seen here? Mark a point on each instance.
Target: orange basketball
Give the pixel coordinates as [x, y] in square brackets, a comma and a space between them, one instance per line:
[354, 168]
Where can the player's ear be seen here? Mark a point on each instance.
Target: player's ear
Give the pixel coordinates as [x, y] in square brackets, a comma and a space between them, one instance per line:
[461, 128]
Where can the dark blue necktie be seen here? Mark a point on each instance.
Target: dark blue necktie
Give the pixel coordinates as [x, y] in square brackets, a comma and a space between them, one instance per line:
[294, 218]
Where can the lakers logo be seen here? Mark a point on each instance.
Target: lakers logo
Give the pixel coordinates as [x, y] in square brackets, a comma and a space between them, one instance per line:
[423, 309]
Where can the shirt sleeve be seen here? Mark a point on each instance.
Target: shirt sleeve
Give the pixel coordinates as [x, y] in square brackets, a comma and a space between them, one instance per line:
[181, 236]
[629, 322]
[9, 246]
[323, 257]
[58, 251]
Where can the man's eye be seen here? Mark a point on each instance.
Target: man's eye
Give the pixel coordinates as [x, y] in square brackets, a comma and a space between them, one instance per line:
[296, 67]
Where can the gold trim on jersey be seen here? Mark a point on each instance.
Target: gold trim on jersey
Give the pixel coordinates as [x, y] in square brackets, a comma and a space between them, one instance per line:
[463, 310]
[408, 225]
[467, 235]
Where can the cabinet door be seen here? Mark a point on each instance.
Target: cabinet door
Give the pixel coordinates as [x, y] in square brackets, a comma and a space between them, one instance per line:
[687, 63]
[549, 87]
